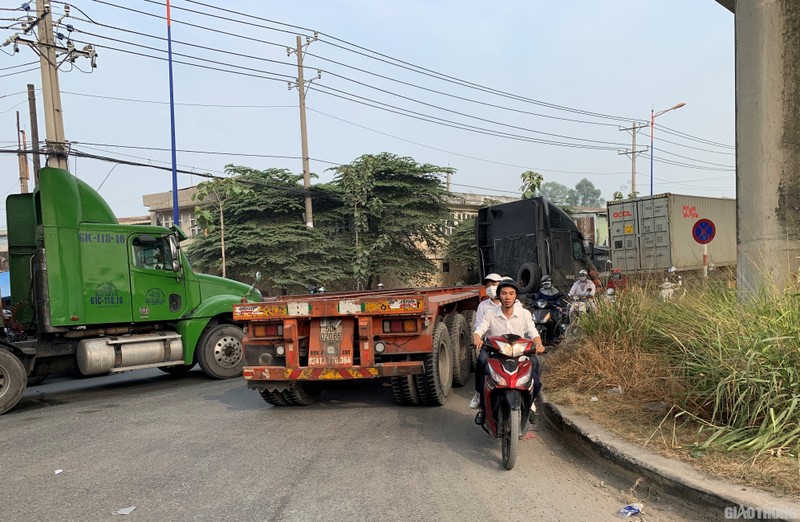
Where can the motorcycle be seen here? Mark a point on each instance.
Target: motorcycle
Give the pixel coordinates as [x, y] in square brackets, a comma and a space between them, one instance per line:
[508, 391]
[550, 321]
[579, 305]
[670, 289]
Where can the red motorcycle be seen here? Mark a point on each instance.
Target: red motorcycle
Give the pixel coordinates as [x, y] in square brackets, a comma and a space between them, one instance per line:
[508, 390]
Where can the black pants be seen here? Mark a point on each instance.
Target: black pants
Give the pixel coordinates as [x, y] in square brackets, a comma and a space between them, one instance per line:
[480, 375]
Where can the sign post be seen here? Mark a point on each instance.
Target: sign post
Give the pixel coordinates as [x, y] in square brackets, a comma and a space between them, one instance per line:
[703, 232]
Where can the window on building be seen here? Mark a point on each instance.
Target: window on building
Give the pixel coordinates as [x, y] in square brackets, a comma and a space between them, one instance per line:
[445, 267]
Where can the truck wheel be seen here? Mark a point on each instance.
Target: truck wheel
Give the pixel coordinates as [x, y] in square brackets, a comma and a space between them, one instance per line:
[273, 397]
[529, 276]
[469, 317]
[301, 394]
[435, 384]
[219, 351]
[460, 345]
[405, 390]
[13, 380]
[183, 369]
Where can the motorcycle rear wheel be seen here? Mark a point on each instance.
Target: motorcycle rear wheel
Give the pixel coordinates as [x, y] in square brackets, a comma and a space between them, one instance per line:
[511, 427]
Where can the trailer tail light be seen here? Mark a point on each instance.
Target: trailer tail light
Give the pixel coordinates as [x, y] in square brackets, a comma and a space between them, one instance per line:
[399, 325]
[268, 330]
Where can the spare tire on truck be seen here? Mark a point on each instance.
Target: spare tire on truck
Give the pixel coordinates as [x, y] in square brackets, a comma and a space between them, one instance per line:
[529, 276]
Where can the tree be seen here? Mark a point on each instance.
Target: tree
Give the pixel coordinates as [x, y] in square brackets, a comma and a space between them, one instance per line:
[560, 195]
[395, 207]
[618, 196]
[588, 196]
[266, 232]
[462, 245]
[215, 193]
[531, 183]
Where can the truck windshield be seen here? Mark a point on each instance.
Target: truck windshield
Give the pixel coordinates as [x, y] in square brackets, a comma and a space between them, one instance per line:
[152, 255]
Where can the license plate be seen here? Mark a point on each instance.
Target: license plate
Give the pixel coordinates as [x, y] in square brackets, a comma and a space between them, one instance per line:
[330, 352]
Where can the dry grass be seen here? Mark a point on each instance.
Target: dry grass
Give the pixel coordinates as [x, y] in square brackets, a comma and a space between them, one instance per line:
[574, 374]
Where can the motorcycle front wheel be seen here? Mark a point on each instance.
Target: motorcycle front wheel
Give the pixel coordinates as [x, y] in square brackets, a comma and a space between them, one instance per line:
[511, 426]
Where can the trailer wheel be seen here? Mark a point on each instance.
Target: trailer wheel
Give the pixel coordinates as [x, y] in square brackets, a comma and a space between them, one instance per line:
[529, 276]
[177, 370]
[435, 384]
[460, 347]
[13, 380]
[219, 351]
[301, 394]
[405, 390]
[469, 317]
[273, 397]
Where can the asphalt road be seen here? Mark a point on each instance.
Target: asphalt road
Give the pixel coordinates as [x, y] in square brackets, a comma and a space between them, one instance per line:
[190, 448]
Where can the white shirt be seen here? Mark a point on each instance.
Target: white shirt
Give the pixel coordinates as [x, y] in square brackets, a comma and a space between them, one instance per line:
[582, 287]
[488, 304]
[495, 322]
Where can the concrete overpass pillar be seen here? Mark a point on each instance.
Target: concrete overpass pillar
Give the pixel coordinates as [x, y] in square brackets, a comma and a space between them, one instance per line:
[768, 143]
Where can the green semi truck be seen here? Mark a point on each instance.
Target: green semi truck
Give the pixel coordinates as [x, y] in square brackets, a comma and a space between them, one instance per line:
[92, 295]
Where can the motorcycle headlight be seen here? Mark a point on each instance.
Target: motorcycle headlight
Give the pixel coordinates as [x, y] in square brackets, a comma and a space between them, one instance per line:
[496, 376]
[519, 349]
[546, 317]
[505, 348]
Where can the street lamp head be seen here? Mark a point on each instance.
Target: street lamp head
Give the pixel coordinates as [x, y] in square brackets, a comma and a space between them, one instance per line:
[679, 105]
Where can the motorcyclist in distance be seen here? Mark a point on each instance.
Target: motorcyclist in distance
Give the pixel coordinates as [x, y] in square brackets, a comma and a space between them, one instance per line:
[617, 281]
[547, 292]
[582, 287]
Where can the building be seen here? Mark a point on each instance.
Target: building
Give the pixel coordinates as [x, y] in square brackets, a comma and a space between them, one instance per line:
[160, 208]
[592, 223]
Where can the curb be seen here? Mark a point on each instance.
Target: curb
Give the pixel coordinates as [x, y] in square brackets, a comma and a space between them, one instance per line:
[669, 477]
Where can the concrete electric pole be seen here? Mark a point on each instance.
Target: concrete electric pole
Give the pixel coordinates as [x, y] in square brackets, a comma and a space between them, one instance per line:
[49, 53]
[37, 162]
[633, 129]
[301, 88]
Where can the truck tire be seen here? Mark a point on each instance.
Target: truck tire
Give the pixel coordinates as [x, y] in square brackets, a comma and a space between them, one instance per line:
[460, 344]
[469, 317]
[219, 351]
[435, 384]
[301, 394]
[13, 380]
[273, 397]
[183, 369]
[405, 390]
[528, 277]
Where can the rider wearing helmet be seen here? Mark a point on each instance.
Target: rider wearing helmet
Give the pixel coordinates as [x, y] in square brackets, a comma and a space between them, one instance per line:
[505, 319]
[547, 292]
[617, 281]
[583, 287]
[673, 276]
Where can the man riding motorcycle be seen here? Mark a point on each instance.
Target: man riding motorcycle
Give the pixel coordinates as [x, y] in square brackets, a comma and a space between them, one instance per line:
[581, 294]
[506, 319]
[554, 296]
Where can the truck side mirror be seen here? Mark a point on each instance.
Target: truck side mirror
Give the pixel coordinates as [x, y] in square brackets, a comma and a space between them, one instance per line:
[176, 258]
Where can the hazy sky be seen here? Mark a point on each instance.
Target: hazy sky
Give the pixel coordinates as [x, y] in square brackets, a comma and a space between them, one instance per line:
[572, 71]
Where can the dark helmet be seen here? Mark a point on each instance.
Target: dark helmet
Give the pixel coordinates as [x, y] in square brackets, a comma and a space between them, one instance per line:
[547, 279]
[509, 282]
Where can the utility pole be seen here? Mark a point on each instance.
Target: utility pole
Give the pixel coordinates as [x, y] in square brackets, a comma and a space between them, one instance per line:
[632, 152]
[23, 159]
[49, 52]
[51, 92]
[37, 162]
[301, 88]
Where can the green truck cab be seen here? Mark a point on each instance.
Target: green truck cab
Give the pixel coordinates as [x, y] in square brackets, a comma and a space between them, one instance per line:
[94, 295]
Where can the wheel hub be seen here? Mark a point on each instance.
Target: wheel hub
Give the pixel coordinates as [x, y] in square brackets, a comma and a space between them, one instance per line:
[228, 352]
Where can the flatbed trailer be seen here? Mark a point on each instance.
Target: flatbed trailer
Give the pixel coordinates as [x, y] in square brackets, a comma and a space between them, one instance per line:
[418, 337]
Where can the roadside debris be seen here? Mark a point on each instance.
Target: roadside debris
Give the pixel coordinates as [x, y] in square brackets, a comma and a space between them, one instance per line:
[631, 510]
[615, 389]
[58, 471]
[125, 511]
[593, 399]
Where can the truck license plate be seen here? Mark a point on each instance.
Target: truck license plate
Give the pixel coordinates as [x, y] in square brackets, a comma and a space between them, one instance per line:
[330, 352]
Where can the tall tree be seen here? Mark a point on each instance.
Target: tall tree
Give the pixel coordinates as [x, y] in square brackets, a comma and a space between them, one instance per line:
[214, 194]
[396, 209]
[266, 232]
[462, 244]
[531, 183]
[560, 195]
[588, 195]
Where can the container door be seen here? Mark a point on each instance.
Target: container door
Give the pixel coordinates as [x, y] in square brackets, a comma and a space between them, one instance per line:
[624, 240]
[158, 291]
[655, 239]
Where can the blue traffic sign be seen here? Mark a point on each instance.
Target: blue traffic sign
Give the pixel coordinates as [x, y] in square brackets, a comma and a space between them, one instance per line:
[704, 231]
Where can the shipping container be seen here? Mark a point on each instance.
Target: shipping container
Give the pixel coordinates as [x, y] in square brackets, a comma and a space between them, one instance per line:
[652, 233]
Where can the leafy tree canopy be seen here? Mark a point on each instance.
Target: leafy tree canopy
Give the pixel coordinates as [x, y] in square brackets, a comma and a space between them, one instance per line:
[588, 195]
[531, 183]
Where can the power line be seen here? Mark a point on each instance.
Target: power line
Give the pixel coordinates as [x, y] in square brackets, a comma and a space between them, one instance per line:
[211, 105]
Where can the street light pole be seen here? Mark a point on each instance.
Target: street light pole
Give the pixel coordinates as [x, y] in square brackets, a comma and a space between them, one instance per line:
[653, 116]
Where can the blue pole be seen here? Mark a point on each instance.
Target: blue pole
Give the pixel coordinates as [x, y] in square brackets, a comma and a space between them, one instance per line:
[652, 125]
[175, 214]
